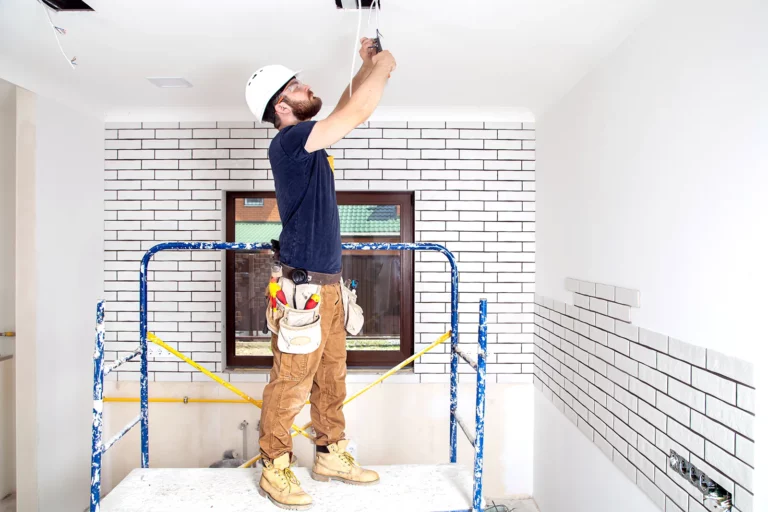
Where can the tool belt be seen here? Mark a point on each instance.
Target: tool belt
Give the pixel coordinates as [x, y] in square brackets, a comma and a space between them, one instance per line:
[301, 276]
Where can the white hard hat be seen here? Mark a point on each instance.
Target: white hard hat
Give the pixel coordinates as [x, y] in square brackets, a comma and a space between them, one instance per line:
[263, 84]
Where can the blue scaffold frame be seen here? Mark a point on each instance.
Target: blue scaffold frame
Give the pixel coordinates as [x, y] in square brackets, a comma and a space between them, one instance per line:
[477, 438]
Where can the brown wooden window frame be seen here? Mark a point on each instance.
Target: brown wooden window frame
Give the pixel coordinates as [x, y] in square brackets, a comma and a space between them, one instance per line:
[355, 358]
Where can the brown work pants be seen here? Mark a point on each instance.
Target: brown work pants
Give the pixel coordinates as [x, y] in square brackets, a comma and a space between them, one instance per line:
[320, 374]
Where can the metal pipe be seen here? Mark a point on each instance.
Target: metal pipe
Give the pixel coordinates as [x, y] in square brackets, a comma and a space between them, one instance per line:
[482, 349]
[144, 376]
[120, 362]
[453, 431]
[466, 357]
[467, 432]
[184, 400]
[98, 409]
[120, 434]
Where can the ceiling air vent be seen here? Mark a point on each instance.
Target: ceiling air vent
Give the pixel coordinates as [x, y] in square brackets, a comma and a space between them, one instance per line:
[353, 4]
[68, 5]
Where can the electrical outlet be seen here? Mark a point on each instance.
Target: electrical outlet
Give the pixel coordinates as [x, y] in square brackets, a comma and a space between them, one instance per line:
[158, 352]
[716, 499]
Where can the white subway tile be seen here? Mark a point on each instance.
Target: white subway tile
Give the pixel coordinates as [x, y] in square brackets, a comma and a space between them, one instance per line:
[745, 450]
[736, 419]
[628, 297]
[731, 367]
[674, 367]
[745, 398]
[730, 466]
[713, 432]
[687, 352]
[650, 376]
[642, 354]
[714, 385]
[642, 390]
[686, 394]
[619, 311]
[654, 340]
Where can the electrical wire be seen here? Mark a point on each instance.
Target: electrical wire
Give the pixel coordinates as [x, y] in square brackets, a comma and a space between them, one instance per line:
[56, 32]
[357, 41]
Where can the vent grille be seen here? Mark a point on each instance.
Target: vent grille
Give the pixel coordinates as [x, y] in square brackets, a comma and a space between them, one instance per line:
[352, 4]
[68, 5]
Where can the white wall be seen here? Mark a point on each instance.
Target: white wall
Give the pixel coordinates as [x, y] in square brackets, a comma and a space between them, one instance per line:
[62, 283]
[651, 174]
[560, 480]
[393, 423]
[26, 293]
[7, 272]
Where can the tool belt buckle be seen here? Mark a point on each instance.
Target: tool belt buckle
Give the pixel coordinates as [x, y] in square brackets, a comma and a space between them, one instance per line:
[299, 276]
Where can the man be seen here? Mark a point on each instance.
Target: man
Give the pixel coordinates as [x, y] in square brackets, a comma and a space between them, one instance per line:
[310, 244]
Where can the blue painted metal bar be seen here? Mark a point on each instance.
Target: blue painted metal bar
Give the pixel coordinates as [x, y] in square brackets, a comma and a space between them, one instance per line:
[97, 424]
[453, 430]
[482, 352]
[231, 246]
[469, 360]
[120, 362]
[120, 434]
[465, 428]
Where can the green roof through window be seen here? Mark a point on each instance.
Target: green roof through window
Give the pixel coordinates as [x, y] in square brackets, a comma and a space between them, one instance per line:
[355, 220]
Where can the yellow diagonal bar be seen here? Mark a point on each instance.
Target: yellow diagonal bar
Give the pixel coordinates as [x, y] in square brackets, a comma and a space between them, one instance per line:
[408, 361]
[157, 341]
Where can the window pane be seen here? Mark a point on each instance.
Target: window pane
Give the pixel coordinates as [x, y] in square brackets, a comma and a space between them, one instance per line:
[378, 274]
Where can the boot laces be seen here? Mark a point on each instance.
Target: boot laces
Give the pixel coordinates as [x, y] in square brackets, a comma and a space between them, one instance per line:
[348, 458]
[288, 475]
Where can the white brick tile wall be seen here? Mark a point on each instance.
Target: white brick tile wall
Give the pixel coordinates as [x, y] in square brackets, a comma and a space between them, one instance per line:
[638, 394]
[474, 191]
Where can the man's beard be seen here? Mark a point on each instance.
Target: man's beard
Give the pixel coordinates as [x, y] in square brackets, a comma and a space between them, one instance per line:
[305, 109]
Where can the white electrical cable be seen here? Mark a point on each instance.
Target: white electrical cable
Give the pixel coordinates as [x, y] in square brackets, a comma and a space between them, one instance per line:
[357, 41]
[56, 32]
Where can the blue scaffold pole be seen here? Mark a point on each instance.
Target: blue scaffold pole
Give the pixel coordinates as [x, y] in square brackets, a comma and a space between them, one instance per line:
[482, 340]
[98, 409]
[454, 356]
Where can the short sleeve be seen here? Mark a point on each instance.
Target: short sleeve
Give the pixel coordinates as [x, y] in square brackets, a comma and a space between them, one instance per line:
[295, 138]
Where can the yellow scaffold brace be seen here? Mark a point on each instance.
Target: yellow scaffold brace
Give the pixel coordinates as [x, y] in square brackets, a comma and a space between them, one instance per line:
[258, 403]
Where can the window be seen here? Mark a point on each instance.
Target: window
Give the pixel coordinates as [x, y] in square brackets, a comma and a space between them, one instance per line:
[385, 278]
[253, 201]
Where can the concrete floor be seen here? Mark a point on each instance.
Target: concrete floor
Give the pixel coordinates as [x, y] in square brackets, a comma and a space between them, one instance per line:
[511, 505]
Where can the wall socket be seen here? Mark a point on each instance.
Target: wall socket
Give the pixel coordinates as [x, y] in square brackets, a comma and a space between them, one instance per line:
[158, 352]
[716, 498]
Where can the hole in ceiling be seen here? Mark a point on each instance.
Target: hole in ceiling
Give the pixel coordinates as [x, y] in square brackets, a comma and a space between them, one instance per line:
[352, 4]
[68, 5]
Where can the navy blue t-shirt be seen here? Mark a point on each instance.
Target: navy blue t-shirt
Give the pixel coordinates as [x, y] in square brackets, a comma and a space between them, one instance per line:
[306, 199]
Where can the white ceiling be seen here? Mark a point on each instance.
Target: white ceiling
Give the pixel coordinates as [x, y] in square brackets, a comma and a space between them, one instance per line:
[501, 58]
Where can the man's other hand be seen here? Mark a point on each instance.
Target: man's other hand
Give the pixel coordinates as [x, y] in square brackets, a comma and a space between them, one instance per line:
[386, 60]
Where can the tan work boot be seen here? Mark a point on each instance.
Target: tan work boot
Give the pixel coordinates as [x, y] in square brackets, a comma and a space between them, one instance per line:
[281, 487]
[339, 465]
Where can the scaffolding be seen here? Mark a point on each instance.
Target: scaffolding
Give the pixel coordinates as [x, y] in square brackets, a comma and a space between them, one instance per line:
[99, 447]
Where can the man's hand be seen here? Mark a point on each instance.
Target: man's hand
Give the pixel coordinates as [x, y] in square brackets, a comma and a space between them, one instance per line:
[386, 60]
[367, 51]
